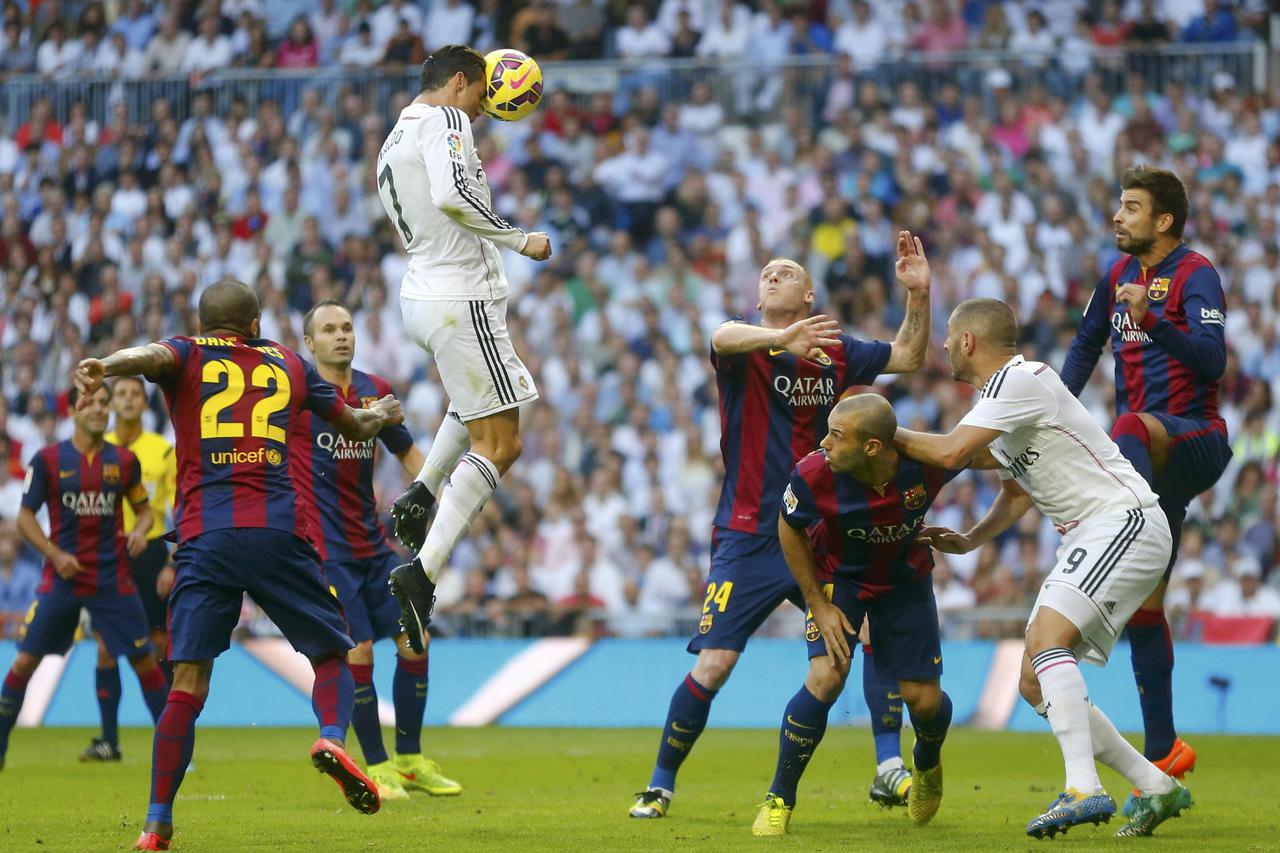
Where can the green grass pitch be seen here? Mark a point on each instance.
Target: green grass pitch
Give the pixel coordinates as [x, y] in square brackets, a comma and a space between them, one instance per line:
[562, 790]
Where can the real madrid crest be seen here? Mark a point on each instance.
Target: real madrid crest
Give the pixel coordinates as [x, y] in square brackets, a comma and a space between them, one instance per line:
[1158, 289]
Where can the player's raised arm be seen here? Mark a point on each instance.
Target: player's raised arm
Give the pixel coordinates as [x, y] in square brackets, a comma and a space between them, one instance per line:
[955, 450]
[912, 272]
[455, 193]
[800, 339]
[1010, 505]
[151, 360]
[1203, 346]
[1091, 337]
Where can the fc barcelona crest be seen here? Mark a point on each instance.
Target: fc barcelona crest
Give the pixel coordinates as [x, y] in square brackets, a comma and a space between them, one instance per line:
[915, 496]
[811, 632]
[111, 474]
[1158, 290]
[705, 625]
[823, 359]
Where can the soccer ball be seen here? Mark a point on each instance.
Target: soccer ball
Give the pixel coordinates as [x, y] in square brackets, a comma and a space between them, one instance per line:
[514, 84]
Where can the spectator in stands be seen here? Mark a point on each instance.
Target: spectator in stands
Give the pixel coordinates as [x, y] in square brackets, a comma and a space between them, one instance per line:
[19, 577]
[1217, 24]
[299, 49]
[583, 23]
[640, 38]
[167, 50]
[385, 22]
[361, 51]
[942, 31]
[210, 50]
[448, 22]
[544, 37]
[403, 48]
[1243, 593]
[16, 54]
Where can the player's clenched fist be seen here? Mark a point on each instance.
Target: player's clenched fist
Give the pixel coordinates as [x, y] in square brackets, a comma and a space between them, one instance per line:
[537, 246]
[389, 408]
[66, 565]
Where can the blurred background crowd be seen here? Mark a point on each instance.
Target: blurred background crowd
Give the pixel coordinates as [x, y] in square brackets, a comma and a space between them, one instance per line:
[148, 149]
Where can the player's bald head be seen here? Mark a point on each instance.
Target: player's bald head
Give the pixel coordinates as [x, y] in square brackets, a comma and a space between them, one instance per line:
[229, 304]
[867, 416]
[989, 320]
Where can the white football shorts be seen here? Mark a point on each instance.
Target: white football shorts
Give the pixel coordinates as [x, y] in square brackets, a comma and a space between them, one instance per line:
[478, 365]
[1106, 567]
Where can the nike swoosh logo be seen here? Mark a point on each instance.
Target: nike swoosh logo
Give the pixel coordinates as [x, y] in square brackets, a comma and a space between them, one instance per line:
[799, 725]
[65, 474]
[896, 695]
[516, 84]
[408, 776]
[676, 727]
[938, 659]
[776, 350]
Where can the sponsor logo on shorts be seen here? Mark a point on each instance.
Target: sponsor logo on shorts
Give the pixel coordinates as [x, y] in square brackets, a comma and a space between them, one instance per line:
[1158, 290]
[705, 624]
[915, 497]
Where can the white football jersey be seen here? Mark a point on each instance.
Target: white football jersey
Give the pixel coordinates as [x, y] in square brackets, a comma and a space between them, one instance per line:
[434, 191]
[1054, 448]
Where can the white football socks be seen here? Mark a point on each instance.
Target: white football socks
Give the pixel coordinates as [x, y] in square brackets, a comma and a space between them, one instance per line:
[451, 441]
[1110, 747]
[1066, 699]
[473, 481]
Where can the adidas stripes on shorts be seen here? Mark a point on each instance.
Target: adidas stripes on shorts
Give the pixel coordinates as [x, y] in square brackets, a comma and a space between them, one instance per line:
[469, 340]
[1106, 567]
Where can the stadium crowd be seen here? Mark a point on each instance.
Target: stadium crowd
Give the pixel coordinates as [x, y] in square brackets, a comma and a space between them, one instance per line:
[662, 210]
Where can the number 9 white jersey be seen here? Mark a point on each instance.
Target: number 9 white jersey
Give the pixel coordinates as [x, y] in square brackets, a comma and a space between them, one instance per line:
[433, 188]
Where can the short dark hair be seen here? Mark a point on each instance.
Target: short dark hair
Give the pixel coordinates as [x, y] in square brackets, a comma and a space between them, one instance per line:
[309, 320]
[121, 379]
[73, 396]
[228, 304]
[1168, 193]
[990, 320]
[442, 64]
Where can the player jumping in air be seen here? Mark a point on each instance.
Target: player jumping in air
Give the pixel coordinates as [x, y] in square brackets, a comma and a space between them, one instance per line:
[778, 382]
[85, 483]
[359, 561]
[246, 523]
[867, 503]
[151, 571]
[1163, 309]
[1115, 546]
[454, 303]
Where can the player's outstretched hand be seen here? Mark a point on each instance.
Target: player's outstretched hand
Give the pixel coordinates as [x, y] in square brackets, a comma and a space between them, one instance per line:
[389, 408]
[89, 377]
[66, 565]
[409, 515]
[912, 268]
[805, 337]
[946, 540]
[537, 247]
[836, 630]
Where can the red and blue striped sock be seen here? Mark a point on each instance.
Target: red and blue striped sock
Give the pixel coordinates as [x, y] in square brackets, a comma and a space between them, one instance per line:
[803, 725]
[155, 690]
[11, 696]
[332, 697]
[686, 718]
[409, 696]
[884, 704]
[364, 714]
[930, 734]
[171, 752]
[1134, 440]
[1151, 650]
[106, 684]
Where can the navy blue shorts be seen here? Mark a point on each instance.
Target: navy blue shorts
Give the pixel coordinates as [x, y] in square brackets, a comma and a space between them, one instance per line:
[749, 578]
[280, 572]
[50, 626]
[145, 569]
[1198, 454]
[361, 586]
[904, 628]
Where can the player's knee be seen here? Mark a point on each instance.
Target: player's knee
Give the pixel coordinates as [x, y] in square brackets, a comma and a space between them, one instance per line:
[1029, 686]
[923, 698]
[106, 660]
[24, 665]
[825, 680]
[506, 451]
[362, 654]
[713, 668]
[1132, 424]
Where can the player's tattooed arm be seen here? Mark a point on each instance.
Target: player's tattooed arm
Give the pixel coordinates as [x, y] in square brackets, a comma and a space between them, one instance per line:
[831, 621]
[363, 424]
[912, 342]
[802, 339]
[955, 450]
[150, 360]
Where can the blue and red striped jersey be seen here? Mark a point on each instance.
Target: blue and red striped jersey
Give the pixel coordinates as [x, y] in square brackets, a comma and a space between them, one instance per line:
[870, 533]
[1171, 362]
[242, 461]
[773, 411]
[343, 472]
[85, 496]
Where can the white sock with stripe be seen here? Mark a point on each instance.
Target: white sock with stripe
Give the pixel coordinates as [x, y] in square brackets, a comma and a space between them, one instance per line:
[1110, 747]
[451, 441]
[1066, 700]
[471, 484]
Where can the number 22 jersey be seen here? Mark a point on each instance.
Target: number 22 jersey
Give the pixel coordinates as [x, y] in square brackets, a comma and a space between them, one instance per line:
[243, 459]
